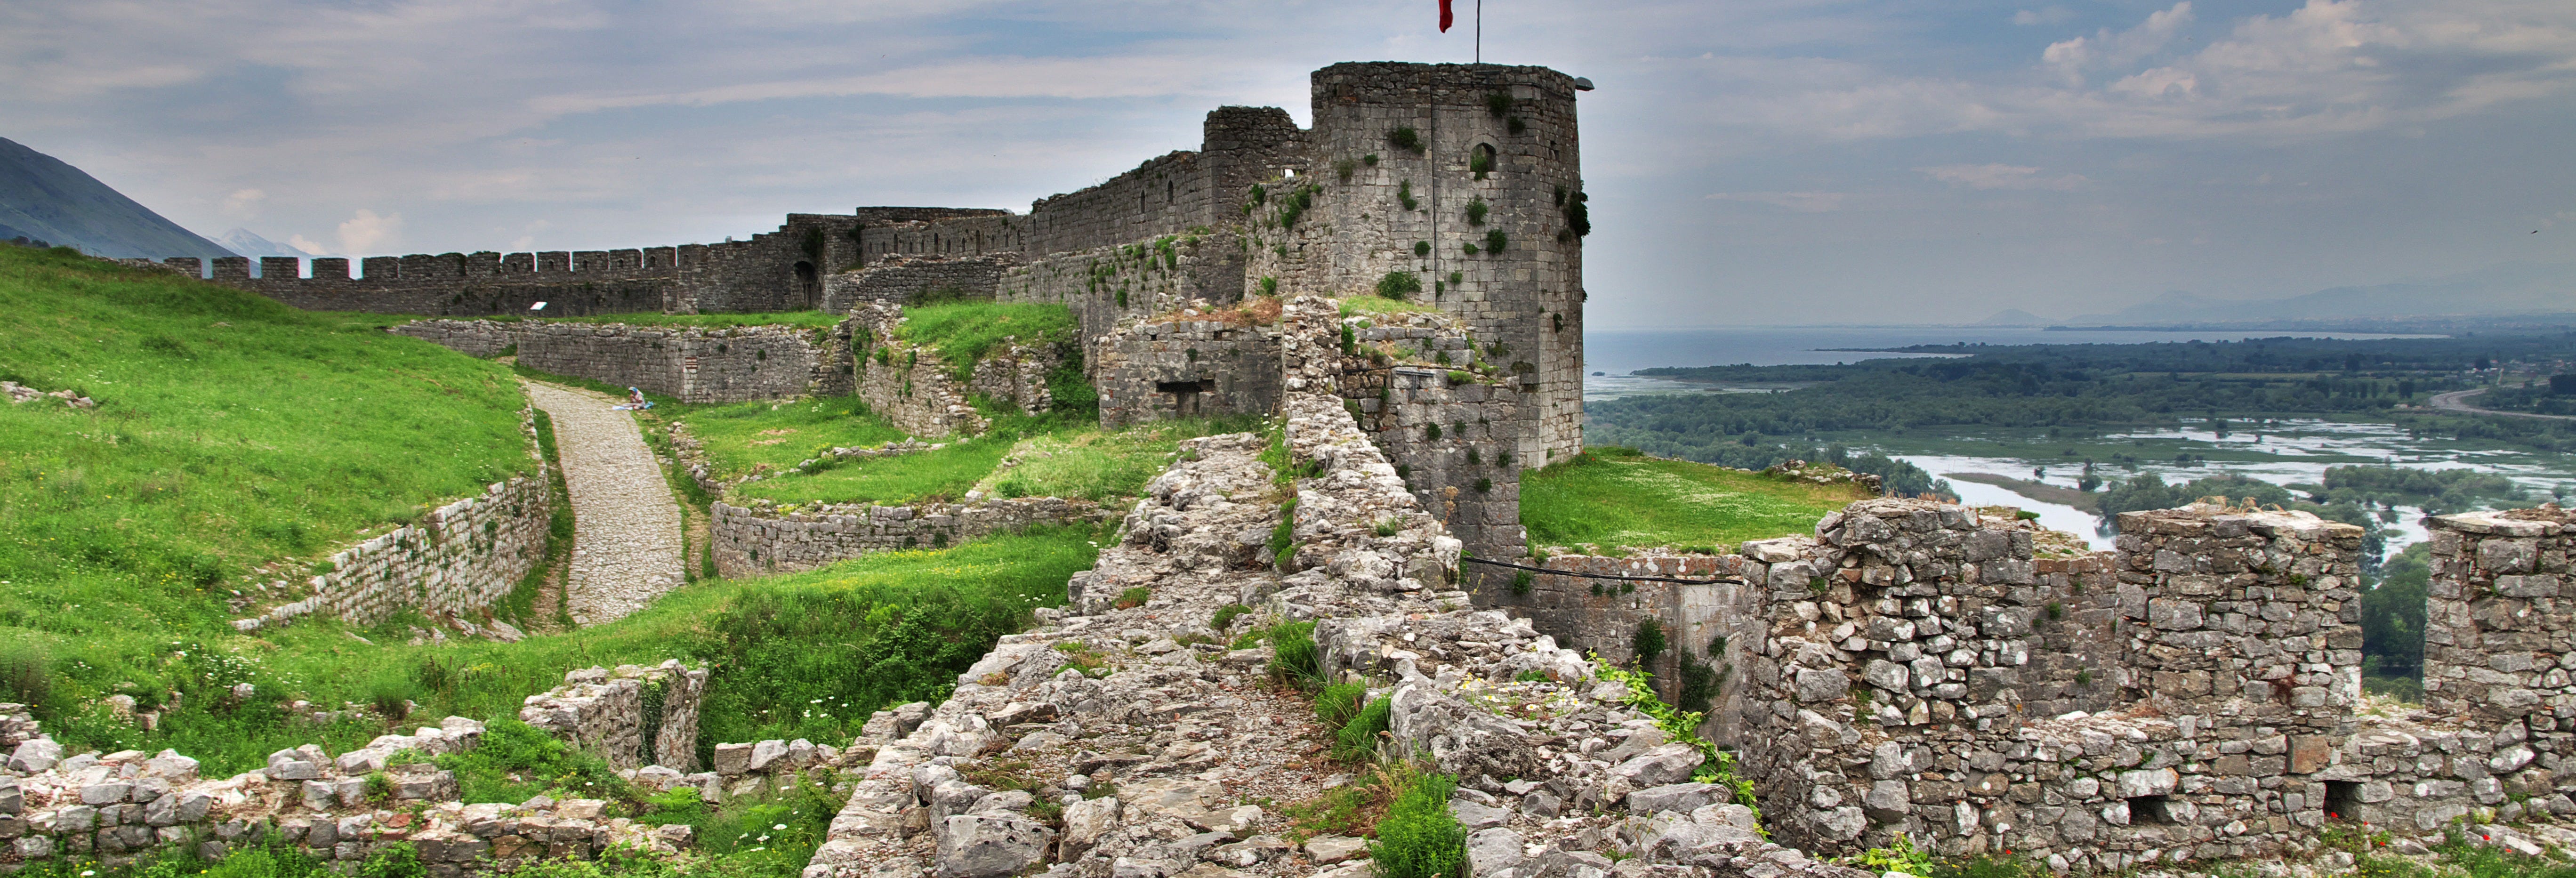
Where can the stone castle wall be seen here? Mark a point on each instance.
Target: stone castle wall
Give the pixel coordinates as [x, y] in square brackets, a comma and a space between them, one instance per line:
[1107, 285]
[1455, 435]
[909, 279]
[694, 364]
[1186, 367]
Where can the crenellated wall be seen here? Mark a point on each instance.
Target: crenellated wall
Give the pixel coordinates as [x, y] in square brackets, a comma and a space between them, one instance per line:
[910, 279]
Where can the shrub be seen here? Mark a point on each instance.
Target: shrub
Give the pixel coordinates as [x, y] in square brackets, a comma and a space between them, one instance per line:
[1422, 249]
[1498, 104]
[1338, 703]
[23, 675]
[1495, 240]
[1345, 168]
[1405, 138]
[1476, 211]
[1294, 658]
[396, 860]
[1404, 193]
[1399, 285]
[1225, 616]
[1419, 837]
[1269, 285]
[1357, 738]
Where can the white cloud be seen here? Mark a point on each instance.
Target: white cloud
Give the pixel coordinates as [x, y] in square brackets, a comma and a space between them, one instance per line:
[308, 245]
[243, 203]
[2045, 15]
[367, 232]
[2074, 58]
[2000, 176]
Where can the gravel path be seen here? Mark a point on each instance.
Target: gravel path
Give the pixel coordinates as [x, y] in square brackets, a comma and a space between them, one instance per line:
[626, 528]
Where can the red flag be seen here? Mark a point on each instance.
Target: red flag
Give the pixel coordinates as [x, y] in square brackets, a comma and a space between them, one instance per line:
[1445, 16]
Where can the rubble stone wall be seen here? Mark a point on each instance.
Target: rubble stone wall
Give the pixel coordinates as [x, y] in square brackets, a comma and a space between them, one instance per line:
[759, 539]
[631, 715]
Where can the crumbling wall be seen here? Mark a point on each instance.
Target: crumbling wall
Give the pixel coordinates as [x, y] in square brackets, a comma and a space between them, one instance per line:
[1186, 366]
[630, 716]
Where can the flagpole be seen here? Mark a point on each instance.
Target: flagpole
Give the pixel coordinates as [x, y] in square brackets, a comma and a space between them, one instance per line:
[1480, 31]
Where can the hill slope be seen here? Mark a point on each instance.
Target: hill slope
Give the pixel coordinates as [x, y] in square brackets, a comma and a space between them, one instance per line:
[45, 199]
[2508, 288]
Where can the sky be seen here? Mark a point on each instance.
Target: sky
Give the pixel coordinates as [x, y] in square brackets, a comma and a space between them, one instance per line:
[1752, 162]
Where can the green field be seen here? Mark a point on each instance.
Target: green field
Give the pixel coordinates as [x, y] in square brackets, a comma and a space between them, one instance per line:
[1613, 497]
[235, 441]
[966, 331]
[746, 437]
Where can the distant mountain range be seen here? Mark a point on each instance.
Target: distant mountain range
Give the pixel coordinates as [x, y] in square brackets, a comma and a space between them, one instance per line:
[248, 243]
[2509, 289]
[43, 199]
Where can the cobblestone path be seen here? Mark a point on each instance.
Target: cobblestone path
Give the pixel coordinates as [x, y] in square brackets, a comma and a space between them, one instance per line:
[626, 542]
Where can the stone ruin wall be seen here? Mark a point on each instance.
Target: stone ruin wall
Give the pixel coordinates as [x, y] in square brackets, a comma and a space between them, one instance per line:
[760, 539]
[631, 716]
[1919, 668]
[456, 561]
[115, 808]
[1183, 367]
[1453, 435]
[693, 364]
[911, 386]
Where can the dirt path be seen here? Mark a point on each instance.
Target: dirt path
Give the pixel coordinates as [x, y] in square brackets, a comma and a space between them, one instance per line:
[2456, 401]
[626, 528]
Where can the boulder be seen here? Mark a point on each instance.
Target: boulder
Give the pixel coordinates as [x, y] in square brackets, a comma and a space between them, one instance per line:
[991, 845]
[1682, 798]
[1660, 765]
[1084, 824]
[1492, 850]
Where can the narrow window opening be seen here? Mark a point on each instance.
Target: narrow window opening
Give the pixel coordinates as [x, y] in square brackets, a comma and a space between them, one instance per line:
[2157, 810]
[2343, 800]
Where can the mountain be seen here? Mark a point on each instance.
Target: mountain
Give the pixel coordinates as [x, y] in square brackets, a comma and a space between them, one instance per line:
[248, 243]
[44, 199]
[2506, 289]
[2012, 317]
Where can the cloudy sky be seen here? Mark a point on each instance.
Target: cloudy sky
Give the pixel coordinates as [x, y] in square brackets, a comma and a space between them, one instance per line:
[1751, 161]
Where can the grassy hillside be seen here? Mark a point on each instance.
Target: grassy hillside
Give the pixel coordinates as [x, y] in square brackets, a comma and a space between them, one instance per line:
[231, 432]
[1618, 497]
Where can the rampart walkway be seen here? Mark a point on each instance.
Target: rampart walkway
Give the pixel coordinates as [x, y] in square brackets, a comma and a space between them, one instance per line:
[626, 537]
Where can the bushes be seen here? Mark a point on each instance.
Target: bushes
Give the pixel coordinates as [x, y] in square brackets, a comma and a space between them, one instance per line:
[1419, 837]
[516, 761]
[1648, 642]
[1399, 285]
[1357, 739]
[1294, 658]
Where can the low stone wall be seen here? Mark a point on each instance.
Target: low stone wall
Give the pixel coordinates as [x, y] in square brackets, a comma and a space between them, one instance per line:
[457, 560]
[759, 539]
[1177, 368]
[908, 279]
[473, 338]
[693, 364]
[112, 809]
[631, 716]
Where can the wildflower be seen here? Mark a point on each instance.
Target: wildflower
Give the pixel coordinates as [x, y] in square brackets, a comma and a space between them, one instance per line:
[779, 826]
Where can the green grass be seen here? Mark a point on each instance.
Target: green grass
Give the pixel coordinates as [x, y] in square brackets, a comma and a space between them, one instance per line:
[806, 319]
[231, 432]
[965, 331]
[1356, 306]
[747, 437]
[805, 655]
[944, 475]
[1617, 497]
[1090, 464]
